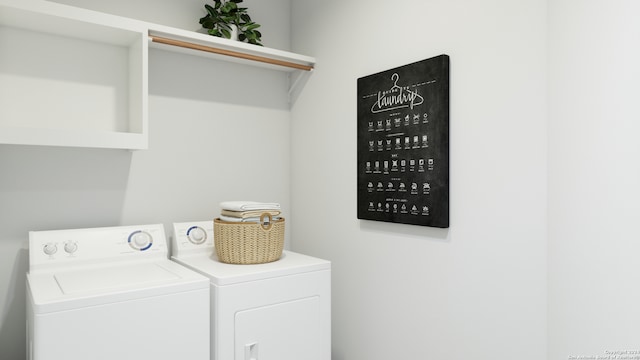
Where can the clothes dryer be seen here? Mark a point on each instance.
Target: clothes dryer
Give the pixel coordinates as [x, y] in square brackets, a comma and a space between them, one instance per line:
[274, 311]
[112, 293]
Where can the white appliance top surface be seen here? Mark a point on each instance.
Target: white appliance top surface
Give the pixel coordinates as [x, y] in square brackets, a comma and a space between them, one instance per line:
[87, 267]
[193, 246]
[75, 282]
[71, 289]
[224, 274]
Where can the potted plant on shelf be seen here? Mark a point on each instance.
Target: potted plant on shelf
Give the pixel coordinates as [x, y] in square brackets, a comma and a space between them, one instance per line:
[225, 18]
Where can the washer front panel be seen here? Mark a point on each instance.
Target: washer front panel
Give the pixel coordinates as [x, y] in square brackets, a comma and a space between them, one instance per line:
[167, 327]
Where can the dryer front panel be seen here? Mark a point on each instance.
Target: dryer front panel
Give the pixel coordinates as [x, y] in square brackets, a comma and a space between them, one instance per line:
[286, 331]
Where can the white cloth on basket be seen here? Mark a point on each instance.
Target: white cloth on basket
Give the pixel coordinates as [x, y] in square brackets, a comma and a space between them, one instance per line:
[248, 205]
[248, 214]
[247, 220]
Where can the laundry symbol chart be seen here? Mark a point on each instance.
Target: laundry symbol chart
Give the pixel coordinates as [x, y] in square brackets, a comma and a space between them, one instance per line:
[403, 144]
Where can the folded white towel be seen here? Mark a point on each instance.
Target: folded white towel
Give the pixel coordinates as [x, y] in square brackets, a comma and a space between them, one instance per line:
[248, 214]
[248, 205]
[245, 220]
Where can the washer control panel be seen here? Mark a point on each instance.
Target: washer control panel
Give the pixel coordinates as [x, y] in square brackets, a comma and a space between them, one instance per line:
[140, 240]
[192, 236]
[70, 247]
[95, 245]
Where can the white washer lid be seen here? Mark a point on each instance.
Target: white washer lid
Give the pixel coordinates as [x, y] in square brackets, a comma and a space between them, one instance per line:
[75, 282]
[224, 274]
[81, 287]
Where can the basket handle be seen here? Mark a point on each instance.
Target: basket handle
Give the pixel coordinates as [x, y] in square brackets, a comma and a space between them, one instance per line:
[266, 224]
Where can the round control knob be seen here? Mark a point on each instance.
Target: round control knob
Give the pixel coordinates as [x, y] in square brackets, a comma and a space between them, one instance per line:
[196, 235]
[140, 240]
[70, 247]
[50, 249]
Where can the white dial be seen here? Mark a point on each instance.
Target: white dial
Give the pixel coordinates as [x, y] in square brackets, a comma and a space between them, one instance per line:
[50, 249]
[196, 235]
[70, 247]
[140, 240]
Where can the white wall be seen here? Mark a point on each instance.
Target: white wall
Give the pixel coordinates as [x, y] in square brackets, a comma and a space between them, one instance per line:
[594, 177]
[218, 131]
[478, 289]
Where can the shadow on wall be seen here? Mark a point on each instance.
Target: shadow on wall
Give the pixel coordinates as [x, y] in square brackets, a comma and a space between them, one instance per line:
[13, 324]
[198, 78]
[420, 232]
[48, 188]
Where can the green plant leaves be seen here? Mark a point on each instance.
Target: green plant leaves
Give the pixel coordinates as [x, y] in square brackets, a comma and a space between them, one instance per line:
[210, 10]
[229, 7]
[224, 13]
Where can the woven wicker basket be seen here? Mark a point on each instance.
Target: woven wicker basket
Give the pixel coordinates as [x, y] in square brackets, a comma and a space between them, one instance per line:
[249, 243]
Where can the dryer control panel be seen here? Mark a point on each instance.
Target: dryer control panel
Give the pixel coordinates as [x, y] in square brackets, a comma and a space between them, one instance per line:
[190, 237]
[53, 248]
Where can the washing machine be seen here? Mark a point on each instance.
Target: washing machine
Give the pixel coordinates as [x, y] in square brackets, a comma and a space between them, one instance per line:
[112, 293]
[274, 311]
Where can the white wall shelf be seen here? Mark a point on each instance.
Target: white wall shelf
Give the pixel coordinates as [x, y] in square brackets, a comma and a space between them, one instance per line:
[71, 77]
[76, 77]
[199, 44]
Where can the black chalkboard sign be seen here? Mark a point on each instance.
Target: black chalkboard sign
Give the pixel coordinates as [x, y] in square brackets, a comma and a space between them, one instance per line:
[403, 144]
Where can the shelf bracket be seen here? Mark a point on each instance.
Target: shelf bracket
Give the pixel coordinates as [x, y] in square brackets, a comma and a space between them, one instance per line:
[296, 79]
